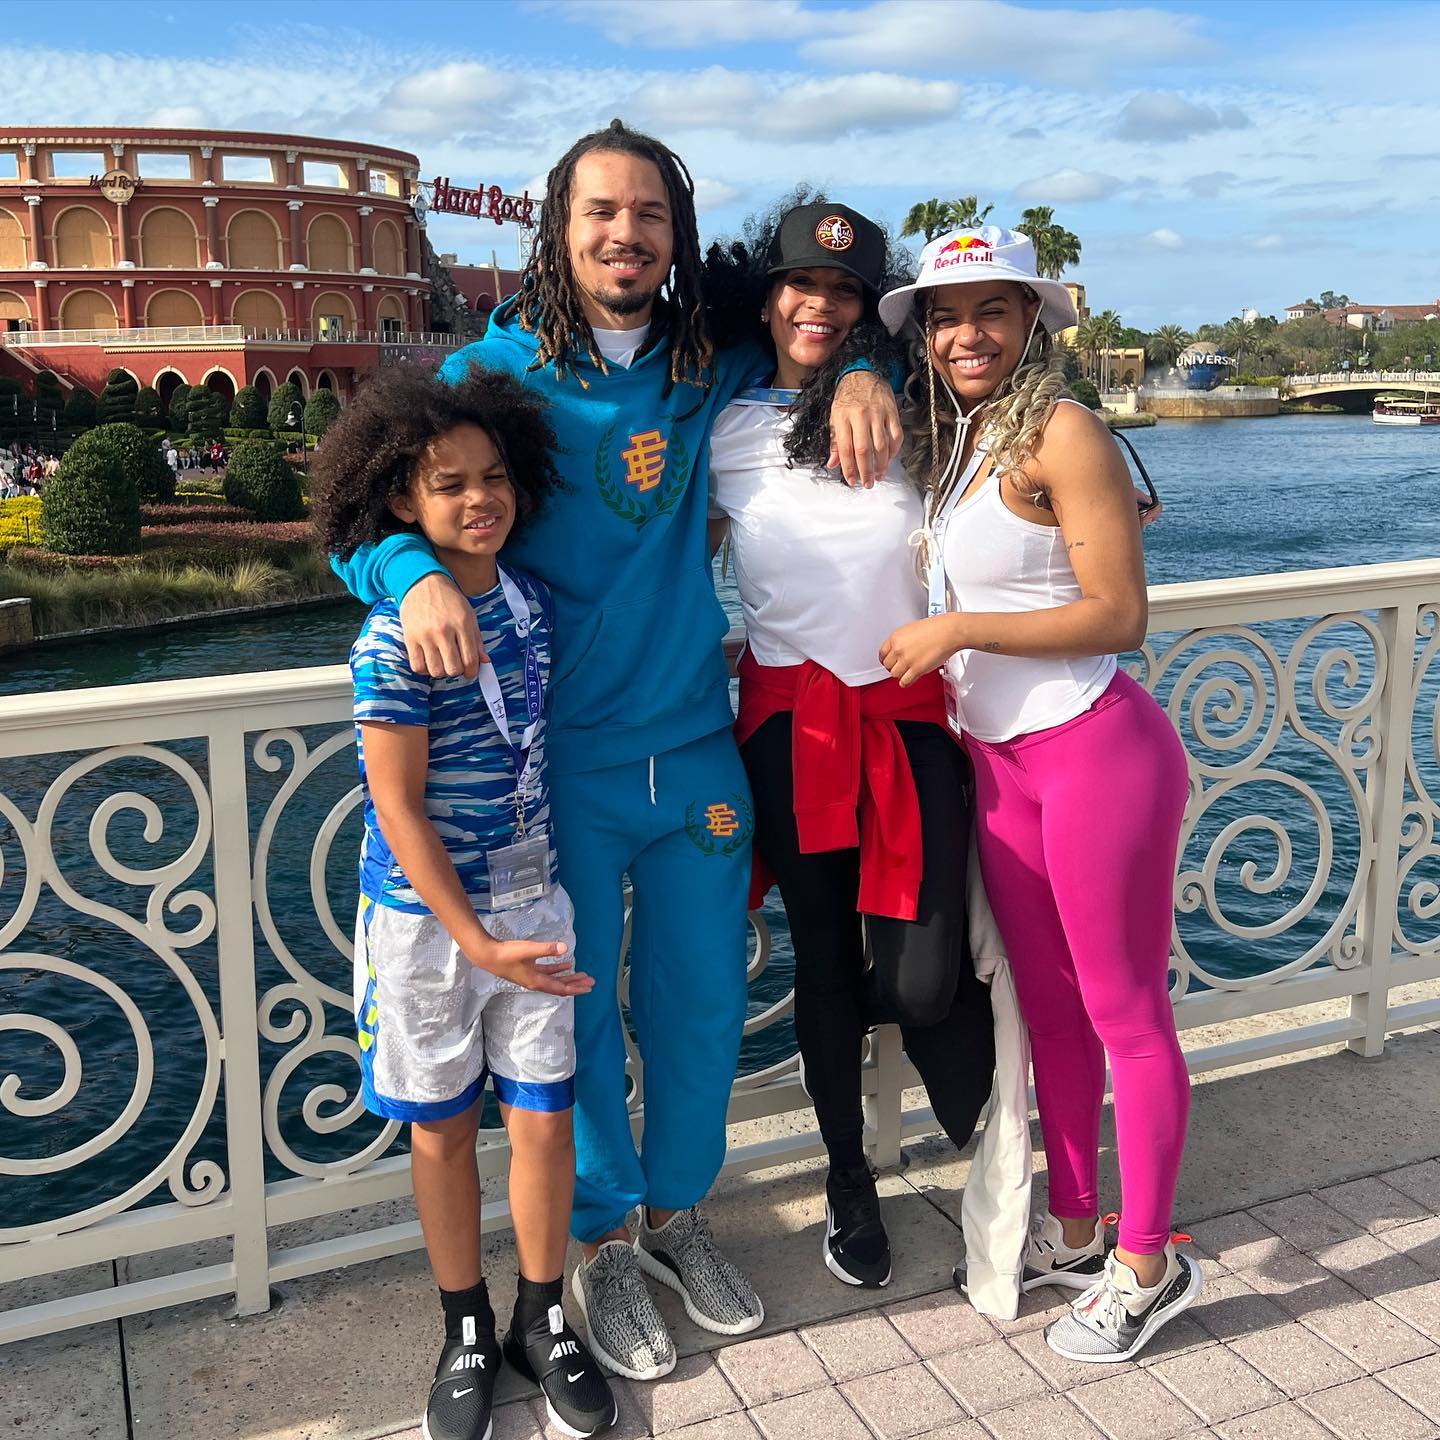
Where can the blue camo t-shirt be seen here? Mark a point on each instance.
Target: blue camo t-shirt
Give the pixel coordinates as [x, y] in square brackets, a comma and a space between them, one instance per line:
[470, 787]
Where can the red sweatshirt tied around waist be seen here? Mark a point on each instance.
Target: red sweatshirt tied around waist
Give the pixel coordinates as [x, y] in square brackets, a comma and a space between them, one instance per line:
[853, 784]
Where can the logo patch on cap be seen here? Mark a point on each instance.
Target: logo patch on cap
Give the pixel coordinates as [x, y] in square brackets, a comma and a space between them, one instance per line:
[835, 232]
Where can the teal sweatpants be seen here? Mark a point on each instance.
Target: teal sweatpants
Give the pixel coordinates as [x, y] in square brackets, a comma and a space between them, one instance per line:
[679, 826]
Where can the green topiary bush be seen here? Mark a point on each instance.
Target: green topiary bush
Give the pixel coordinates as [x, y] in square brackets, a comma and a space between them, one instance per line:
[80, 410]
[248, 411]
[149, 415]
[16, 408]
[1085, 392]
[285, 400]
[259, 478]
[206, 414]
[49, 401]
[90, 506]
[321, 411]
[178, 415]
[117, 399]
[143, 459]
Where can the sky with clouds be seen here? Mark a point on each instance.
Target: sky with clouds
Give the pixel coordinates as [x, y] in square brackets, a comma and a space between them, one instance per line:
[1210, 156]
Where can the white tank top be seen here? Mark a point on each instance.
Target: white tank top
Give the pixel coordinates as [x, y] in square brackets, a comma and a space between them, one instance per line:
[995, 561]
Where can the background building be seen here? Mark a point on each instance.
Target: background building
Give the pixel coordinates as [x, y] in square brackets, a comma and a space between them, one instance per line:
[222, 258]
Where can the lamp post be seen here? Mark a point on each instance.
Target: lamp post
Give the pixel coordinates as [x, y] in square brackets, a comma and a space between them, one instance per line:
[296, 421]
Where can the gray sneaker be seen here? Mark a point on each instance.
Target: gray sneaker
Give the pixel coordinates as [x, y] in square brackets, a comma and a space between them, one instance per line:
[1117, 1316]
[682, 1255]
[627, 1331]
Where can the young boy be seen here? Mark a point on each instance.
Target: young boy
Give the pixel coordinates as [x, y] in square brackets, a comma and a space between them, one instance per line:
[462, 944]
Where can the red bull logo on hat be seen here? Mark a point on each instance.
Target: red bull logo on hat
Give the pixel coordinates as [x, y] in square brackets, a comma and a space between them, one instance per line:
[962, 250]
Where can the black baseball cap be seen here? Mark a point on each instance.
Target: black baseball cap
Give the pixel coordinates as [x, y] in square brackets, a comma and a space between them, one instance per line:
[826, 234]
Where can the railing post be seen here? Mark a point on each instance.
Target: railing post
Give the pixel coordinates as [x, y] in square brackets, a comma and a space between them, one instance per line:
[244, 1133]
[1375, 920]
[882, 1110]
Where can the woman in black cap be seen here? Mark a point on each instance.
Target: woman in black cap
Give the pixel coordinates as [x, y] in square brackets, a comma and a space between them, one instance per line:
[862, 800]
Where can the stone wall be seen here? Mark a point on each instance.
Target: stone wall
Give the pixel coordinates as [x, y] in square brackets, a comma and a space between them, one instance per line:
[16, 629]
[1210, 404]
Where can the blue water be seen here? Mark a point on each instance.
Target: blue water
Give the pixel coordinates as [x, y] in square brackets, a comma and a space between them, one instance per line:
[1242, 497]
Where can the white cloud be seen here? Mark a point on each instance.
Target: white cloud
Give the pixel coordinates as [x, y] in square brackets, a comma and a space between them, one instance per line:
[1166, 239]
[450, 98]
[178, 117]
[723, 99]
[1267, 242]
[688, 26]
[1210, 184]
[714, 194]
[1069, 187]
[1157, 116]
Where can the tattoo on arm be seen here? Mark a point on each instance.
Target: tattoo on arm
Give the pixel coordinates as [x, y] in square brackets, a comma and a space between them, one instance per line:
[1076, 545]
[993, 645]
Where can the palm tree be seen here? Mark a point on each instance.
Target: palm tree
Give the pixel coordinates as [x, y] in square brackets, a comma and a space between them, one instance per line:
[1055, 246]
[929, 217]
[1164, 347]
[1087, 343]
[1241, 338]
[1108, 328]
[966, 214]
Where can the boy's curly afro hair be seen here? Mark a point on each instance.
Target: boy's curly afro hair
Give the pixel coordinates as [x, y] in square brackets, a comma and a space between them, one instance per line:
[373, 449]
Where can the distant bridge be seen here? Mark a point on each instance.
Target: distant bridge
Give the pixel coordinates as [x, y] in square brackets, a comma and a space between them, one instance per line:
[1355, 389]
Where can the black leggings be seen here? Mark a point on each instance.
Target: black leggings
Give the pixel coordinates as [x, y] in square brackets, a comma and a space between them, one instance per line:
[921, 975]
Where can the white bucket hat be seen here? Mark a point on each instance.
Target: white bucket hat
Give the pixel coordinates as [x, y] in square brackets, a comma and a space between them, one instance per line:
[989, 253]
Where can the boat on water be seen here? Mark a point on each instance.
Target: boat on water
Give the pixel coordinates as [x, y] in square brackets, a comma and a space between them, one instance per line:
[1405, 410]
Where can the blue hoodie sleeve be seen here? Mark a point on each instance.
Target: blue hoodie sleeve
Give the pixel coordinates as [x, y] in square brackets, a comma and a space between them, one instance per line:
[389, 569]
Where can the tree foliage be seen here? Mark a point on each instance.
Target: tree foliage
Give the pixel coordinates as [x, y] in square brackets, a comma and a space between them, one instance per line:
[80, 409]
[117, 399]
[205, 414]
[321, 411]
[141, 458]
[16, 408]
[90, 506]
[49, 401]
[1167, 344]
[934, 217]
[286, 399]
[248, 411]
[259, 478]
[1055, 246]
[148, 411]
[179, 411]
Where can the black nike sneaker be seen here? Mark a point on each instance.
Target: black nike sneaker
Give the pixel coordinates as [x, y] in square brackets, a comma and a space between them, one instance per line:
[576, 1392]
[856, 1247]
[464, 1389]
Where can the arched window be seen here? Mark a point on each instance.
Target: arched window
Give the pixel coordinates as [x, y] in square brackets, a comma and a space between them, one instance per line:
[14, 312]
[260, 309]
[389, 249]
[264, 382]
[253, 242]
[297, 379]
[87, 310]
[165, 383]
[332, 315]
[168, 241]
[392, 316]
[173, 307]
[328, 245]
[82, 241]
[12, 242]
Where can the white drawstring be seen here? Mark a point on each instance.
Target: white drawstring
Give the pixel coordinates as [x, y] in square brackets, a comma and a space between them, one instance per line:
[652, 779]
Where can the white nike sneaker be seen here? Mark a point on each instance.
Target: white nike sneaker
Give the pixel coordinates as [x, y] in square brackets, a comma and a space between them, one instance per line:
[1050, 1261]
[1117, 1316]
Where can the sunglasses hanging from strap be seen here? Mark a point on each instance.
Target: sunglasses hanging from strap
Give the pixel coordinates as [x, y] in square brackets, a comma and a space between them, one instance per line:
[1153, 503]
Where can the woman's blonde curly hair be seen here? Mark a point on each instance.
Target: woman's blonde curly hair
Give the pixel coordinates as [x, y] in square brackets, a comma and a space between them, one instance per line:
[1010, 422]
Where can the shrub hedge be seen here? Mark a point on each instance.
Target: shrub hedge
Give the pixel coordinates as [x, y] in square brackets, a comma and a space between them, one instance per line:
[285, 400]
[149, 413]
[178, 413]
[80, 409]
[259, 479]
[90, 505]
[322, 409]
[141, 457]
[117, 399]
[248, 411]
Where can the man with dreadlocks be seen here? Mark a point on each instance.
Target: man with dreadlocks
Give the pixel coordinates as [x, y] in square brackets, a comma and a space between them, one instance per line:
[646, 780]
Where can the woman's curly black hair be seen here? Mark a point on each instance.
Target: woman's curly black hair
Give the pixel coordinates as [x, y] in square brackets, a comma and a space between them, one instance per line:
[373, 449]
[737, 288]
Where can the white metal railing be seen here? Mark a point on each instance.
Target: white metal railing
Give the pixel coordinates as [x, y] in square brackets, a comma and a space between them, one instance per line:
[1285, 688]
[223, 334]
[1360, 376]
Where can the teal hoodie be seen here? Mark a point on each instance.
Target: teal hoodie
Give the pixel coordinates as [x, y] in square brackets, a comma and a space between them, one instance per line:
[637, 663]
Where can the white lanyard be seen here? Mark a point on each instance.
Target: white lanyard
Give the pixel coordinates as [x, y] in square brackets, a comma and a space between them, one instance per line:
[534, 694]
[938, 590]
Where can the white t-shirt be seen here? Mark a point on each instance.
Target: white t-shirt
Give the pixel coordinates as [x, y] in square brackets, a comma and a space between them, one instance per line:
[620, 347]
[825, 572]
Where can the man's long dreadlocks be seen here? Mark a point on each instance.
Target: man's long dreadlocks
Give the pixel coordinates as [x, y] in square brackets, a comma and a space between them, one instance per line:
[550, 304]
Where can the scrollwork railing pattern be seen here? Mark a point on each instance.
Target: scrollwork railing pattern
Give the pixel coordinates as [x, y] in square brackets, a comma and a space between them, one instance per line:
[1310, 710]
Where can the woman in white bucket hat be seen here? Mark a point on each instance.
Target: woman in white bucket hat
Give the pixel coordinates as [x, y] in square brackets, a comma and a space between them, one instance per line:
[1032, 556]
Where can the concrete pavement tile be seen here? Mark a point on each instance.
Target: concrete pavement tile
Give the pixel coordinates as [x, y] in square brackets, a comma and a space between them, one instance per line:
[1370, 1335]
[724, 1427]
[820, 1415]
[695, 1390]
[1306, 1221]
[1420, 1241]
[82, 1366]
[1037, 1310]
[1217, 1384]
[516, 1421]
[1418, 1306]
[1230, 1308]
[1182, 1336]
[1372, 1204]
[989, 1377]
[629, 1424]
[1060, 1373]
[1299, 1284]
[1374, 1269]
[1366, 1410]
[1052, 1417]
[1238, 1241]
[771, 1368]
[1420, 1182]
[1135, 1406]
[897, 1404]
[1279, 1422]
[1418, 1382]
[1296, 1359]
[937, 1324]
[962, 1430]
[858, 1345]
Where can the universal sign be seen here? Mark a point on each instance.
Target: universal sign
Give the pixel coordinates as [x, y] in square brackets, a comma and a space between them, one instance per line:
[482, 202]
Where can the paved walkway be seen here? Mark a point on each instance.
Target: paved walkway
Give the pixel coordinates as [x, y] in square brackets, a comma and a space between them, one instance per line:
[1320, 1319]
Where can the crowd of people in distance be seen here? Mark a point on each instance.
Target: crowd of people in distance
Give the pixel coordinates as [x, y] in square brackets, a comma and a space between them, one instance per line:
[24, 469]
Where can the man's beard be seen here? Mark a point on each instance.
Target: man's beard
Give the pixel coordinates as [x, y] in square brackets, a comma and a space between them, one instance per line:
[625, 302]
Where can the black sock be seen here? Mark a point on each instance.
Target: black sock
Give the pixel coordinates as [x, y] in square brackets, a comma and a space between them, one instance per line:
[534, 1299]
[474, 1304]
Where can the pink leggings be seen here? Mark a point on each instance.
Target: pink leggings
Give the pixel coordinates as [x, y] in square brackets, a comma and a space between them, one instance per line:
[1077, 831]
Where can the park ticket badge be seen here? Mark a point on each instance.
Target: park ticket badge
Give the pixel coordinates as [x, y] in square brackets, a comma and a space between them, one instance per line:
[952, 702]
[519, 872]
